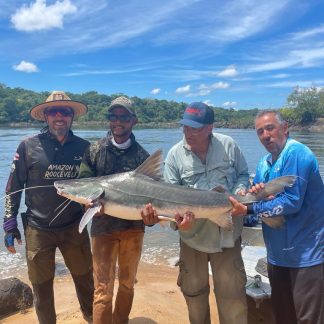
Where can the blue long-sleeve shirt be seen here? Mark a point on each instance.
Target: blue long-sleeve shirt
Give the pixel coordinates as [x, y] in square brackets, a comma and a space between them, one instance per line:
[300, 241]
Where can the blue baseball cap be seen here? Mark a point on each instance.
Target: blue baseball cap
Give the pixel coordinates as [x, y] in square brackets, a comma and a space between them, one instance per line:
[197, 115]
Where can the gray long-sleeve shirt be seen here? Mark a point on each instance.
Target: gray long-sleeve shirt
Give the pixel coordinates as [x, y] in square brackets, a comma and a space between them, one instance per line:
[226, 166]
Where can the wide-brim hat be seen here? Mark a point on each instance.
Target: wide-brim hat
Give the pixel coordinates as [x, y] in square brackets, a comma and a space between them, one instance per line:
[58, 99]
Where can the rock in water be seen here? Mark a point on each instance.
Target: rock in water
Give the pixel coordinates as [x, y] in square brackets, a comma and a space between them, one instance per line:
[261, 267]
[15, 296]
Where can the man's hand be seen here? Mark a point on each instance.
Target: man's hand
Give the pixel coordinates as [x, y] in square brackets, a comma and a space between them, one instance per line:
[9, 239]
[185, 221]
[257, 188]
[149, 215]
[238, 208]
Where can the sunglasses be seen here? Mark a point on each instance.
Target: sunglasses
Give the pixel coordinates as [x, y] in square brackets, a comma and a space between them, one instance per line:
[121, 118]
[65, 112]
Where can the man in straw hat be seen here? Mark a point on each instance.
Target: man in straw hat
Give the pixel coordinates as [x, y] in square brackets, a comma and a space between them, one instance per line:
[54, 154]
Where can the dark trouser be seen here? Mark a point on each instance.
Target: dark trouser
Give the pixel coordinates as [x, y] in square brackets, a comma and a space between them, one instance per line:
[229, 284]
[297, 294]
[126, 246]
[40, 254]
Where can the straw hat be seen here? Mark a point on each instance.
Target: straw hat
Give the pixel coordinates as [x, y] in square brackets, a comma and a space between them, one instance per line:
[58, 99]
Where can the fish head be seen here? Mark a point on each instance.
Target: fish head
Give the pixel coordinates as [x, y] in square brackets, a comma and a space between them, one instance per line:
[83, 191]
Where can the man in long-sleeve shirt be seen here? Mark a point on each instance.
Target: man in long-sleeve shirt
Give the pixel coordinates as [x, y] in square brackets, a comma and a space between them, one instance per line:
[294, 250]
[54, 154]
[204, 160]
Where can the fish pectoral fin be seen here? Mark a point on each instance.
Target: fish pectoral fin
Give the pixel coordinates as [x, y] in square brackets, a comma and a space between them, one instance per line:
[88, 215]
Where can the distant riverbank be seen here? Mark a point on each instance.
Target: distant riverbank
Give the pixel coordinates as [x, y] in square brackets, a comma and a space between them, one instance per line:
[316, 127]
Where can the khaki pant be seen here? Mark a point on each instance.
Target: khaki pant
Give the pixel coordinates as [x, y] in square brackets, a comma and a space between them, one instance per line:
[126, 246]
[229, 280]
[40, 254]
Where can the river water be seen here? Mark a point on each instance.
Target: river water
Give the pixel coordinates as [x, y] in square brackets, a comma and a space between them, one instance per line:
[160, 243]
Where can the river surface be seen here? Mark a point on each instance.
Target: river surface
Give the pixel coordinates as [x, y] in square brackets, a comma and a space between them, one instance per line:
[160, 243]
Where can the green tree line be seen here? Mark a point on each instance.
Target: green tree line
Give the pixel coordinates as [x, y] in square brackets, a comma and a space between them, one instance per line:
[303, 107]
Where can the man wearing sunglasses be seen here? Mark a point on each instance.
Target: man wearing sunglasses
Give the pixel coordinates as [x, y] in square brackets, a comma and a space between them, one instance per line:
[114, 238]
[54, 154]
[205, 160]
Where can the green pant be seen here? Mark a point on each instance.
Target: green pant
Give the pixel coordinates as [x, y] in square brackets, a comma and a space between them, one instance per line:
[40, 254]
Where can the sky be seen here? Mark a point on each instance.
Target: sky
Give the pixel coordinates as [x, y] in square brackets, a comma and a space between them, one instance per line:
[237, 54]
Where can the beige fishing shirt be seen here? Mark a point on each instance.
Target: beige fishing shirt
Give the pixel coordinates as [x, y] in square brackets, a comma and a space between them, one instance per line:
[225, 166]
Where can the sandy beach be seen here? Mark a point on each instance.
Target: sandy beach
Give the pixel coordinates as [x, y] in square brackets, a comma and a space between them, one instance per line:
[157, 300]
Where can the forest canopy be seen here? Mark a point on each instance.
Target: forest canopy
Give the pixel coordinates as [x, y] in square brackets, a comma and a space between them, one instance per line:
[304, 106]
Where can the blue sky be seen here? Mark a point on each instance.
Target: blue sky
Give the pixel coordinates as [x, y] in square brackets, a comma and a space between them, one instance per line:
[240, 54]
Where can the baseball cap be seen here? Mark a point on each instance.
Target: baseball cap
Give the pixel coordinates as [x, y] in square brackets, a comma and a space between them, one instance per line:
[197, 114]
[122, 102]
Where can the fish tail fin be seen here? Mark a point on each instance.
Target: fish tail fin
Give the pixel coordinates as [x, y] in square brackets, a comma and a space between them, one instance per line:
[274, 222]
[271, 188]
[88, 215]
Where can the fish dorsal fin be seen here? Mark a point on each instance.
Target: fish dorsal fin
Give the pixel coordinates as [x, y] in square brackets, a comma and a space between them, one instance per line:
[151, 167]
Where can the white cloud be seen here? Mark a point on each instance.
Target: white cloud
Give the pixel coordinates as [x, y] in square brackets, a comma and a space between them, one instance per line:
[214, 86]
[208, 102]
[27, 67]
[155, 91]
[39, 16]
[229, 104]
[230, 71]
[280, 76]
[206, 89]
[184, 89]
[299, 83]
[308, 33]
[295, 58]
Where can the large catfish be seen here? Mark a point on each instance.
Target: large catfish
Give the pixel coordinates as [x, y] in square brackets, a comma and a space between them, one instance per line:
[124, 195]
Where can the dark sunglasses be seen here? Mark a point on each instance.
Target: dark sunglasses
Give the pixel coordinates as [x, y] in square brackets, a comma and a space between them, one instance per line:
[65, 112]
[121, 118]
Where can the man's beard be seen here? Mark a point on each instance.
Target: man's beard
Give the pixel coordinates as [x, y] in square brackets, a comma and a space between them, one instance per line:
[62, 132]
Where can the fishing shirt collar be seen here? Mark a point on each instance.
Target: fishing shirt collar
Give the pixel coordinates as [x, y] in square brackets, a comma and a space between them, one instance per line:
[109, 141]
